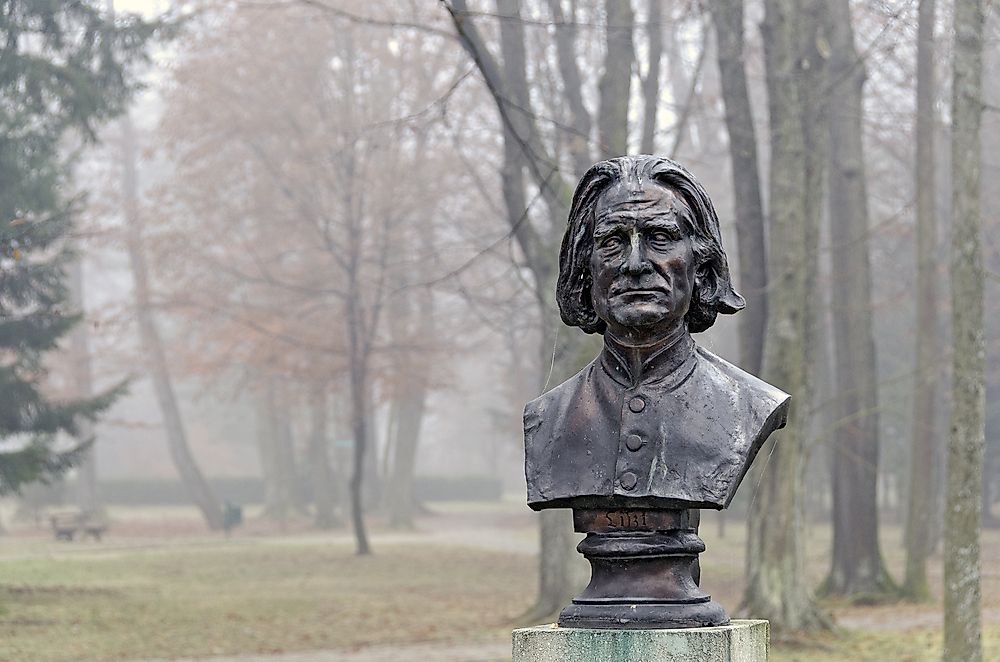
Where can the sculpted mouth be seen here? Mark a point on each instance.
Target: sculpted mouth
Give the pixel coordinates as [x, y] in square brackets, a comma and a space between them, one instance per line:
[640, 293]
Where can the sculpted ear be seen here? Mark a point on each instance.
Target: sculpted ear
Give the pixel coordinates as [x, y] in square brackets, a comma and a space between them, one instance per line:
[706, 283]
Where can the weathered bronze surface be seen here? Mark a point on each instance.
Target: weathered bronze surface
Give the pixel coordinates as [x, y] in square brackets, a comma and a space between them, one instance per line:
[655, 425]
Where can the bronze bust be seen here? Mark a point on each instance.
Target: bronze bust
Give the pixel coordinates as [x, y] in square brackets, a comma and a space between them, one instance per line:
[655, 423]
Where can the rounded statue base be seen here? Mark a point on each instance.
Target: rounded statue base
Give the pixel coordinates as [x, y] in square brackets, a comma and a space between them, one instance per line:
[649, 616]
[740, 641]
[644, 573]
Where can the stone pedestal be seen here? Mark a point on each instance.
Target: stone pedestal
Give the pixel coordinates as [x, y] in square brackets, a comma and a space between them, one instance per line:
[740, 641]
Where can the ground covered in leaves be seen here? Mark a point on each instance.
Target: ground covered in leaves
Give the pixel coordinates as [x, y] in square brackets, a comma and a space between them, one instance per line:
[163, 590]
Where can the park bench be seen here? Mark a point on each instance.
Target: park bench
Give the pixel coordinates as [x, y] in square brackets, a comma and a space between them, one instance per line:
[67, 525]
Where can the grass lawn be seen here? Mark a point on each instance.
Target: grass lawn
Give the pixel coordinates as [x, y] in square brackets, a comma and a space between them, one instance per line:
[190, 594]
[252, 598]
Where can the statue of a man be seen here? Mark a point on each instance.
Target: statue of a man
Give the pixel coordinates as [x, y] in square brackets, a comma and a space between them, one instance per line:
[655, 421]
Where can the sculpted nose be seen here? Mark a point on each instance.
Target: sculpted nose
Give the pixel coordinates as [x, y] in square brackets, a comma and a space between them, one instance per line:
[636, 263]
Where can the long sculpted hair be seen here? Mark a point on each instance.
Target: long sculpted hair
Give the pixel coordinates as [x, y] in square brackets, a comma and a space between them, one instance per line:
[713, 291]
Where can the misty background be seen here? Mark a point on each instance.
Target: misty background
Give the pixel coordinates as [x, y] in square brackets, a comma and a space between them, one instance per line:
[319, 250]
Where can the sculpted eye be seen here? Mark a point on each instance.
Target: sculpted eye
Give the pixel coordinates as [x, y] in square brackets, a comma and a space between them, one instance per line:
[663, 237]
[612, 242]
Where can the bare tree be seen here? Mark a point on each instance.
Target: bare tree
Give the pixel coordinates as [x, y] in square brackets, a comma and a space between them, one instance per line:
[776, 584]
[727, 16]
[616, 79]
[962, 586]
[920, 504]
[152, 344]
[523, 149]
[856, 565]
[320, 474]
[305, 260]
[411, 323]
[651, 83]
[83, 382]
[277, 492]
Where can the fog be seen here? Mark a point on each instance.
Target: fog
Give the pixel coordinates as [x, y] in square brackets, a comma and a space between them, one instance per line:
[315, 255]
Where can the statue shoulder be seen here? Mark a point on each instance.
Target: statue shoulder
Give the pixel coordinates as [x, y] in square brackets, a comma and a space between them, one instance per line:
[557, 395]
[768, 401]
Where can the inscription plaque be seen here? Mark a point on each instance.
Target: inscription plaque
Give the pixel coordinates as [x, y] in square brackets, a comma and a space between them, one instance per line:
[598, 520]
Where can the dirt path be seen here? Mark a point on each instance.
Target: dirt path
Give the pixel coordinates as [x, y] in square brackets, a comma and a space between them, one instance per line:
[413, 653]
[904, 620]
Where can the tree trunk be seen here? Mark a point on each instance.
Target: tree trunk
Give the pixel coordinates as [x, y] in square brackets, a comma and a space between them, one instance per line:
[198, 488]
[359, 430]
[962, 590]
[682, 86]
[920, 504]
[569, 70]
[87, 496]
[358, 371]
[616, 80]
[990, 521]
[750, 234]
[856, 565]
[651, 84]
[320, 475]
[555, 531]
[412, 390]
[275, 504]
[292, 485]
[411, 403]
[411, 413]
[565, 350]
[776, 584]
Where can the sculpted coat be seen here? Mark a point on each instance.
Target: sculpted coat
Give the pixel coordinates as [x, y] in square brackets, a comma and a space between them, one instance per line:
[657, 436]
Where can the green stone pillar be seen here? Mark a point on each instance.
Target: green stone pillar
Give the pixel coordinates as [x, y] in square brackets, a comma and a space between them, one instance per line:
[740, 641]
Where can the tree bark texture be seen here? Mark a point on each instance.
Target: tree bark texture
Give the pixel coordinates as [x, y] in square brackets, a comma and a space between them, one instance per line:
[920, 504]
[990, 461]
[856, 564]
[616, 80]
[776, 584]
[727, 16]
[651, 83]
[962, 590]
[152, 345]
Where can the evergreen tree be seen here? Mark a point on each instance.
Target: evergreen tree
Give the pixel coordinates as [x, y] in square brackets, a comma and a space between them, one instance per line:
[64, 67]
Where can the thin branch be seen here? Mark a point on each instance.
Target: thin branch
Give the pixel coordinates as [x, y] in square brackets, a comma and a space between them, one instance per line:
[682, 121]
[353, 18]
[488, 249]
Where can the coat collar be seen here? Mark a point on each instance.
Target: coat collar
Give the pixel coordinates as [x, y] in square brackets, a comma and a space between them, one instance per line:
[631, 366]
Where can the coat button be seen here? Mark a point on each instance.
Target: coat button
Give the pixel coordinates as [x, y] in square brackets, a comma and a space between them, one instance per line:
[637, 404]
[628, 480]
[633, 442]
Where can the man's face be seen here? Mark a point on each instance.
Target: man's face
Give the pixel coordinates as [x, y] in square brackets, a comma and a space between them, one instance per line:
[643, 263]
